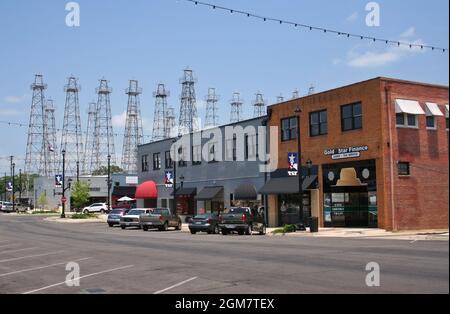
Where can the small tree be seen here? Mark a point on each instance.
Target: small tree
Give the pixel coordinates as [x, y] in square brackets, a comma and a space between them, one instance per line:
[80, 194]
[42, 200]
[103, 171]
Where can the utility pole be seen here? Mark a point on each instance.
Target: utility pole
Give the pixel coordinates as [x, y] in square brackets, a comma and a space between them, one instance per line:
[13, 188]
[78, 171]
[11, 162]
[109, 183]
[20, 185]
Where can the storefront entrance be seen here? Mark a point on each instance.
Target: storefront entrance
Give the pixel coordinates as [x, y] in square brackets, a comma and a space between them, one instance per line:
[289, 209]
[350, 196]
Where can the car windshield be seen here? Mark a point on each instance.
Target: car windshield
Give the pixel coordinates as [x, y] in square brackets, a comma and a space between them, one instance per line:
[117, 211]
[239, 210]
[136, 212]
[160, 211]
[204, 216]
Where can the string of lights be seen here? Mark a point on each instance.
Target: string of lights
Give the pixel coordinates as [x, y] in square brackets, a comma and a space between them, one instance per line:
[18, 124]
[320, 29]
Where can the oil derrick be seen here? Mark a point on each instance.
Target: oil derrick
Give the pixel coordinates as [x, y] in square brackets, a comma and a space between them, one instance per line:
[50, 137]
[90, 139]
[171, 123]
[280, 99]
[259, 105]
[311, 90]
[160, 126]
[133, 129]
[295, 94]
[236, 108]
[103, 135]
[212, 117]
[188, 109]
[71, 140]
[36, 154]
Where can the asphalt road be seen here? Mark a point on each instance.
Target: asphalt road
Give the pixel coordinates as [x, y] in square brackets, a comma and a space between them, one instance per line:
[34, 254]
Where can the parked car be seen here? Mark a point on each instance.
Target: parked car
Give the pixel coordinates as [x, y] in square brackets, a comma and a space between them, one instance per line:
[96, 208]
[205, 223]
[133, 218]
[162, 219]
[115, 215]
[242, 220]
[6, 207]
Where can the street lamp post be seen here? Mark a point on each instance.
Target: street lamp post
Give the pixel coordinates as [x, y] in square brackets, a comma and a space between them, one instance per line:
[109, 183]
[78, 171]
[13, 188]
[20, 186]
[175, 155]
[63, 198]
[301, 226]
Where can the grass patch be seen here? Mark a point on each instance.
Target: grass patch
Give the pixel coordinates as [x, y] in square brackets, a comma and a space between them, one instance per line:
[285, 229]
[83, 216]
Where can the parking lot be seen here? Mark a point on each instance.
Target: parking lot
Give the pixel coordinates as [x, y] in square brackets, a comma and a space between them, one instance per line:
[34, 254]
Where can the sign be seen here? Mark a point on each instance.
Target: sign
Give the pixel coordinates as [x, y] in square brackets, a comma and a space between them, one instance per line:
[168, 179]
[58, 181]
[293, 164]
[346, 153]
[131, 180]
[63, 200]
[9, 186]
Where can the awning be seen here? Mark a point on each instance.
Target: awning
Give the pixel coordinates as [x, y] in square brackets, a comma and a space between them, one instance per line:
[432, 109]
[408, 106]
[124, 191]
[287, 185]
[147, 190]
[245, 192]
[209, 193]
[186, 191]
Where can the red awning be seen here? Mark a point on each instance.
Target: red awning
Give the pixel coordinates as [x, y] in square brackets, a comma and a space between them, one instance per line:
[146, 190]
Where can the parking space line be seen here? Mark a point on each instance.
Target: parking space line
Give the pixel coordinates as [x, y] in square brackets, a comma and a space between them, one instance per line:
[41, 267]
[175, 286]
[19, 250]
[28, 256]
[79, 278]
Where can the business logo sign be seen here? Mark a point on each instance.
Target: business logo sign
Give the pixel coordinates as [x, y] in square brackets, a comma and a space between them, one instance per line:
[168, 179]
[346, 153]
[58, 181]
[131, 180]
[9, 186]
[293, 164]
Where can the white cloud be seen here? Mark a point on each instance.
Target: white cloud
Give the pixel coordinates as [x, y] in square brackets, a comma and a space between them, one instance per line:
[353, 17]
[14, 99]
[410, 32]
[119, 121]
[372, 59]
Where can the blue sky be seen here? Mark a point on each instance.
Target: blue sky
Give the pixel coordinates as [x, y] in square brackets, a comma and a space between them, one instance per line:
[154, 40]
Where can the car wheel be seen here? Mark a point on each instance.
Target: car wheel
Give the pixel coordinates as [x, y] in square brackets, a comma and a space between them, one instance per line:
[102, 211]
[85, 211]
[123, 227]
[216, 230]
[193, 232]
[224, 232]
[179, 226]
[241, 232]
[263, 231]
[165, 227]
[145, 228]
[111, 225]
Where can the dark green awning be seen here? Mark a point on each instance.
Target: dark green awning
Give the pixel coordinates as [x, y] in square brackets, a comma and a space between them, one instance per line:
[245, 192]
[288, 185]
[209, 193]
[186, 191]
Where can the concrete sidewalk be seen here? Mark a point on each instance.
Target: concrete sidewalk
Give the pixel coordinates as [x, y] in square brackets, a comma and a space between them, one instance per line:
[371, 233]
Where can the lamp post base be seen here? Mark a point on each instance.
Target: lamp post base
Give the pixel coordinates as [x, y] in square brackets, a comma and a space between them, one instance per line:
[63, 216]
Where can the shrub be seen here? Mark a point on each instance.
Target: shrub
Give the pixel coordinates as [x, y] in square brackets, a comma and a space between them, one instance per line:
[285, 229]
[83, 216]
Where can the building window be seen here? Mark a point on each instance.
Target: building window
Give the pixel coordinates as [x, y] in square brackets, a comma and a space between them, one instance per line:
[431, 122]
[212, 150]
[197, 155]
[318, 123]
[351, 116]
[289, 129]
[404, 169]
[157, 161]
[144, 162]
[406, 120]
[169, 161]
[250, 146]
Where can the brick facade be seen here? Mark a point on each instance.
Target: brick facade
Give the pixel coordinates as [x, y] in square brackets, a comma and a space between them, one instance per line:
[420, 200]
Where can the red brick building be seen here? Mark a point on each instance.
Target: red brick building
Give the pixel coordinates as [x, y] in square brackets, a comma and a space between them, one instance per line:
[377, 153]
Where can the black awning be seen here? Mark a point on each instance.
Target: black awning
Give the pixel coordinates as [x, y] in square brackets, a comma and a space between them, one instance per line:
[245, 192]
[209, 193]
[288, 185]
[186, 191]
[124, 191]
